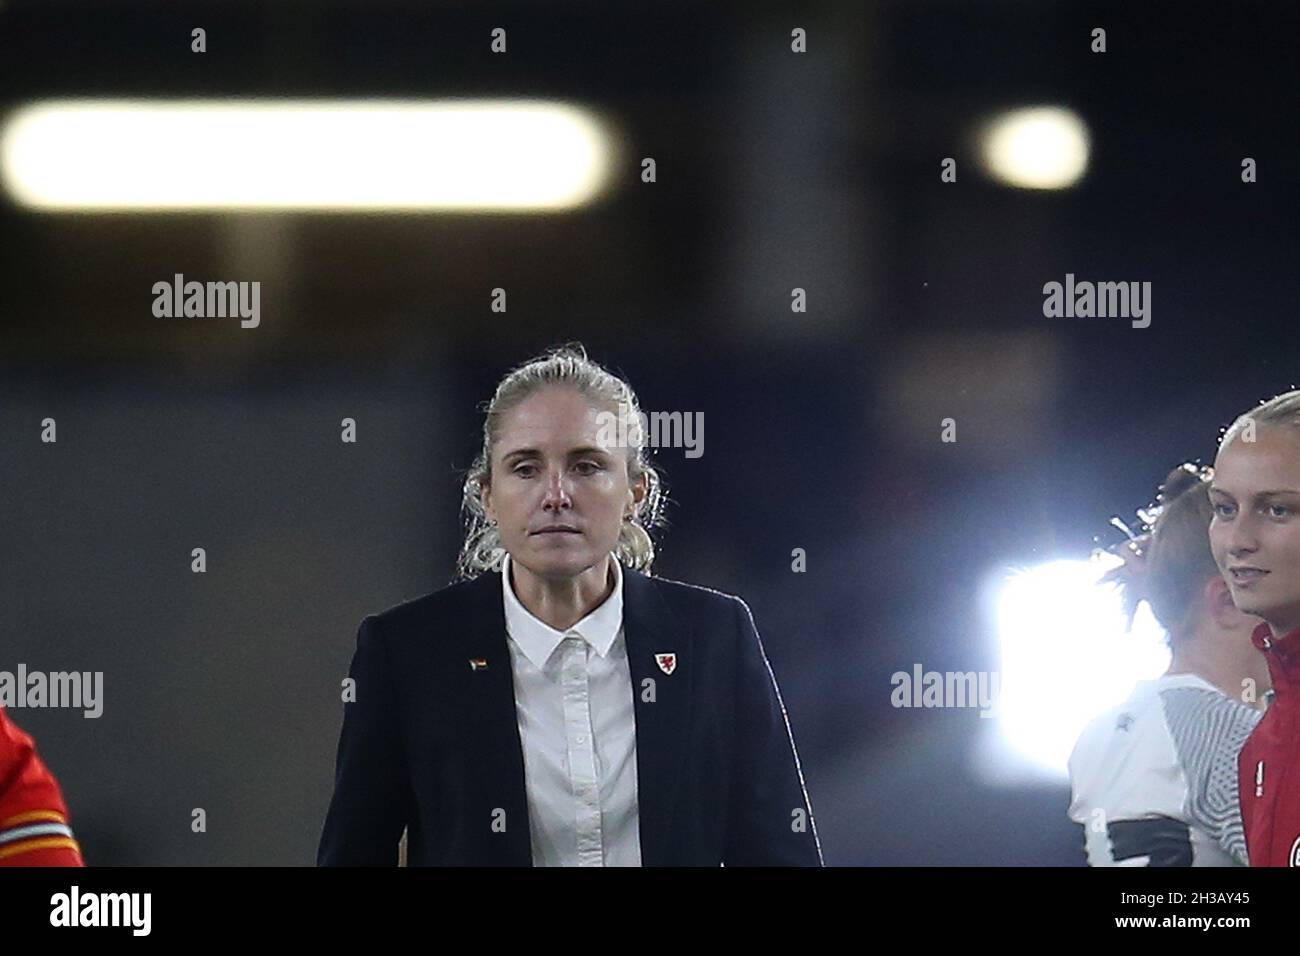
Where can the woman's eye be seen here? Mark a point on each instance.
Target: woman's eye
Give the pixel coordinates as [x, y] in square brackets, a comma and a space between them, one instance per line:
[523, 468]
[1279, 511]
[590, 465]
[1223, 511]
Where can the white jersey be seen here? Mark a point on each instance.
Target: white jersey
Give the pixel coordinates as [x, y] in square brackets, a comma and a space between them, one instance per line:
[1154, 780]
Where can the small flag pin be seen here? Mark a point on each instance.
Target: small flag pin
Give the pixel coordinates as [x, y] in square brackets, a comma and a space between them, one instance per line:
[478, 664]
[667, 662]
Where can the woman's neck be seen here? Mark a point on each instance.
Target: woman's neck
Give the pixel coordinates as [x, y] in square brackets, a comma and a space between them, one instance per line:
[1232, 673]
[563, 602]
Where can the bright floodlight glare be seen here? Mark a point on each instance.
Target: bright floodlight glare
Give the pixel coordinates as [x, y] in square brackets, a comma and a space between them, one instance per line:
[373, 155]
[1043, 147]
[1066, 657]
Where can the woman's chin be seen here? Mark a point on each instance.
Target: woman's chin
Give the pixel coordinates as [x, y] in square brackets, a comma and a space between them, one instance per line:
[560, 563]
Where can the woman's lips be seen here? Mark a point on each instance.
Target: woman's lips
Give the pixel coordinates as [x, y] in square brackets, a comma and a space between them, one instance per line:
[1246, 577]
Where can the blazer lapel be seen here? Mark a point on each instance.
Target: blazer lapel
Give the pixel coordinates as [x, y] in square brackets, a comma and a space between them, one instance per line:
[650, 628]
[663, 723]
[496, 756]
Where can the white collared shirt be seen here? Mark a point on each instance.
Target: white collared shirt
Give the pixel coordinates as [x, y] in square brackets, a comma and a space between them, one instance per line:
[577, 724]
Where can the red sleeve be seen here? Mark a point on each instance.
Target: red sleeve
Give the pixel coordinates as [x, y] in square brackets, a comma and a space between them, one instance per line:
[34, 826]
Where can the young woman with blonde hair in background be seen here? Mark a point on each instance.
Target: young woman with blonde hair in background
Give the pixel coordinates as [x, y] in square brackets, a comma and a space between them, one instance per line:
[1255, 539]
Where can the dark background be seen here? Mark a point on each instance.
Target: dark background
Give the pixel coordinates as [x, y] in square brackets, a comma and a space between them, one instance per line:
[775, 170]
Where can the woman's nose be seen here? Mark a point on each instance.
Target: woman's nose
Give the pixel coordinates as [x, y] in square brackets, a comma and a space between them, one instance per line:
[1244, 538]
[557, 494]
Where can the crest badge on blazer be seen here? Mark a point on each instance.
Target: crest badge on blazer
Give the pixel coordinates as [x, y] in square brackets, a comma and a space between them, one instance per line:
[667, 662]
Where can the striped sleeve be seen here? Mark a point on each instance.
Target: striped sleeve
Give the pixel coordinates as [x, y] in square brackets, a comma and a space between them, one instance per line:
[1209, 730]
[34, 825]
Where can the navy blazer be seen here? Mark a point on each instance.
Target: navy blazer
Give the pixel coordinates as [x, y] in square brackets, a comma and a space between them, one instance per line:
[431, 742]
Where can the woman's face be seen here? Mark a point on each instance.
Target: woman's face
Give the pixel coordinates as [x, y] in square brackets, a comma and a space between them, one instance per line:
[1255, 532]
[557, 493]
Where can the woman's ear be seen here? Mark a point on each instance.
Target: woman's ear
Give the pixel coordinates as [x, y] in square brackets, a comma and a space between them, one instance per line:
[1218, 598]
[638, 489]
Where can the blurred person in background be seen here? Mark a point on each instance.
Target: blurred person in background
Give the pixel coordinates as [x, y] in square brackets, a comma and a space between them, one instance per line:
[1255, 538]
[34, 828]
[559, 705]
[1154, 780]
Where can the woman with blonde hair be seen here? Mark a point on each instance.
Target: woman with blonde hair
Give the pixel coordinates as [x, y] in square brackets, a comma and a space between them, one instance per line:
[1255, 538]
[559, 705]
[1154, 780]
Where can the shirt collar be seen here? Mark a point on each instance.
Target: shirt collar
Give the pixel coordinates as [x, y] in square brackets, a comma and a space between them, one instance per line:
[538, 640]
[1283, 656]
[1262, 637]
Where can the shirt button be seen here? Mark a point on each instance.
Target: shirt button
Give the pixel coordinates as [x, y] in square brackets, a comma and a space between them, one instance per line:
[582, 740]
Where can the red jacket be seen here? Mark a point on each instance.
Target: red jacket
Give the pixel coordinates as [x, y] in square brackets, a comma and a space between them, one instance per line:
[1269, 765]
[34, 827]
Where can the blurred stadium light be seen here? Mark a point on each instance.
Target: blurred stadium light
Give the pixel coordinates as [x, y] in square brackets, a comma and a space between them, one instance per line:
[1065, 657]
[1044, 147]
[337, 155]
